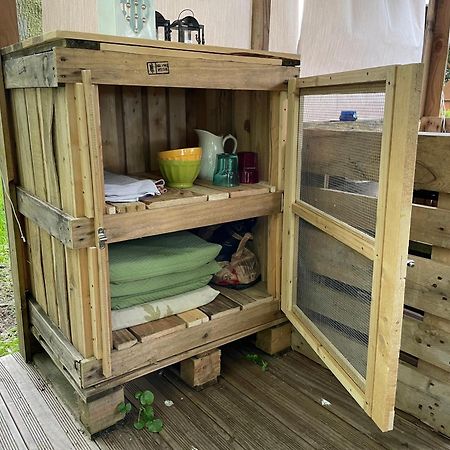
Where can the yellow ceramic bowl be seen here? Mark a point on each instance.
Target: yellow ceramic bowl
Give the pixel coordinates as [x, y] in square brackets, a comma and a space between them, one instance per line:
[181, 154]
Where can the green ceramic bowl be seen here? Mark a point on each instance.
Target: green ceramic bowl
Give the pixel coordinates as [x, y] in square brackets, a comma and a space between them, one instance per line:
[179, 174]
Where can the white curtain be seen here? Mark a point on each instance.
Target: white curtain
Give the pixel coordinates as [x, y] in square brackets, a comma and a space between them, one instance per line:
[339, 35]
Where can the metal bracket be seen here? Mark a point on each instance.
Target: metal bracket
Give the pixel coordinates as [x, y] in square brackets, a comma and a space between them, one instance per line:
[101, 236]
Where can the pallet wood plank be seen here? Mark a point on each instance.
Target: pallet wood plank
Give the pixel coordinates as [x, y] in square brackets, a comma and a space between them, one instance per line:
[157, 123]
[211, 193]
[31, 71]
[111, 112]
[157, 328]
[45, 100]
[239, 297]
[111, 67]
[221, 306]
[127, 207]
[428, 286]
[177, 118]
[82, 39]
[193, 317]
[134, 122]
[69, 170]
[26, 179]
[173, 197]
[96, 163]
[37, 155]
[123, 339]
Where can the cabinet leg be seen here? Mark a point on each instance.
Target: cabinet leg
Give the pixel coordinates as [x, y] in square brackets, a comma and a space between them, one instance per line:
[201, 370]
[101, 412]
[274, 340]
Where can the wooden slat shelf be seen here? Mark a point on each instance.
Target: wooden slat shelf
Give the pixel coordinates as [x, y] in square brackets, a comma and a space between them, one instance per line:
[202, 191]
[149, 347]
[180, 211]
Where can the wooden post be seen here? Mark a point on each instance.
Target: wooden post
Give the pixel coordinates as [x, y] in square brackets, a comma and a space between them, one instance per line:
[16, 245]
[201, 370]
[274, 340]
[260, 24]
[9, 33]
[100, 413]
[436, 64]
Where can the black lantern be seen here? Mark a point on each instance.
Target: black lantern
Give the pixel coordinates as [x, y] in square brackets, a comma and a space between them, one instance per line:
[161, 22]
[188, 25]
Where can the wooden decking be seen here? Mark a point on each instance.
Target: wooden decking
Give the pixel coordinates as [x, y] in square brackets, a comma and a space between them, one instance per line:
[284, 408]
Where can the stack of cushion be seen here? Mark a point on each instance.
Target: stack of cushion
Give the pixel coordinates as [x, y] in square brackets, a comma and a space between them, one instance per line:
[156, 271]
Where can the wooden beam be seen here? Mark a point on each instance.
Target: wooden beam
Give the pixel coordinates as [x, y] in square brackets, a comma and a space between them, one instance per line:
[9, 33]
[114, 68]
[54, 221]
[438, 59]
[45, 331]
[260, 24]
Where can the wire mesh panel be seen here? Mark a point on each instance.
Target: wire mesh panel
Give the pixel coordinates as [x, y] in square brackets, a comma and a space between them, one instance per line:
[340, 160]
[347, 205]
[334, 286]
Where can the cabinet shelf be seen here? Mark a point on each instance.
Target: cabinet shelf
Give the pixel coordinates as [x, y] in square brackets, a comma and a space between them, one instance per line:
[149, 347]
[180, 211]
[203, 204]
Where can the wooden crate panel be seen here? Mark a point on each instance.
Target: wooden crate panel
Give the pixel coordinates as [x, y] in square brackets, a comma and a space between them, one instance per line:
[428, 287]
[424, 396]
[427, 342]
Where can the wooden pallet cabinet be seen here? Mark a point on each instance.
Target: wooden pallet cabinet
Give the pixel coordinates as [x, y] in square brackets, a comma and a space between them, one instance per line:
[74, 104]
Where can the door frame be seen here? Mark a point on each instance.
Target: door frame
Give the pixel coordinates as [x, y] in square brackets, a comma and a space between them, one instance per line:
[388, 250]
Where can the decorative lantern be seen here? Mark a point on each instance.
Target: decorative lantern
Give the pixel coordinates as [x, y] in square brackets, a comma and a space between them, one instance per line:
[161, 22]
[188, 25]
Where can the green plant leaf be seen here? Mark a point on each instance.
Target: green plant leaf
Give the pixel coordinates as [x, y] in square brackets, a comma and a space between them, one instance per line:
[121, 407]
[139, 425]
[148, 412]
[128, 407]
[147, 398]
[155, 426]
[138, 395]
[257, 360]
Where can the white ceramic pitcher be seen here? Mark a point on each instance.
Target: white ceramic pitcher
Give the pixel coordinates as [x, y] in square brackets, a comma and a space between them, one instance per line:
[211, 145]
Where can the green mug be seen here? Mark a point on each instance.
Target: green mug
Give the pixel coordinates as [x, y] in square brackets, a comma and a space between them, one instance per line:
[226, 173]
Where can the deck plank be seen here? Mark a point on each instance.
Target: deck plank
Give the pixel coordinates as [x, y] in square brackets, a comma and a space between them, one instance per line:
[184, 427]
[10, 437]
[249, 409]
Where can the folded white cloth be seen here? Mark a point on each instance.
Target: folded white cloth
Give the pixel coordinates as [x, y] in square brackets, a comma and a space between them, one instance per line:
[158, 309]
[121, 188]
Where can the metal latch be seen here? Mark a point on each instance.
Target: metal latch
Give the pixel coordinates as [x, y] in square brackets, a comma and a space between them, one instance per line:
[101, 236]
[410, 263]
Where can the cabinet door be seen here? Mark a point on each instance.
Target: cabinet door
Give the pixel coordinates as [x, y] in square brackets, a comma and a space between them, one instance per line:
[347, 213]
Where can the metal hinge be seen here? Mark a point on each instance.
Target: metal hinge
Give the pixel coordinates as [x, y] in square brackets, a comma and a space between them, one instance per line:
[282, 201]
[101, 236]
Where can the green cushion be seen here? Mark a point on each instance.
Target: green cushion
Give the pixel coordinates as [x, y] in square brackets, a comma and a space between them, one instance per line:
[153, 256]
[153, 284]
[126, 301]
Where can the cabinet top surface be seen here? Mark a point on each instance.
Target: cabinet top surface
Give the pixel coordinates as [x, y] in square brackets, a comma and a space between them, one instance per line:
[75, 39]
